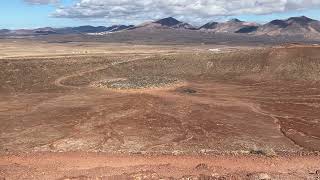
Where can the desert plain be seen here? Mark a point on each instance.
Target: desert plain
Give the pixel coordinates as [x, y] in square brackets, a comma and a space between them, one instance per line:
[90, 110]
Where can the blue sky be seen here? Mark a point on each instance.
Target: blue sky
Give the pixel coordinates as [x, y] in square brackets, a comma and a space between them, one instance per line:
[21, 14]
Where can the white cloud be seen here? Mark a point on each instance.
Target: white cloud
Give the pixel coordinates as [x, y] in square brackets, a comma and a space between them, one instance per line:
[302, 4]
[139, 10]
[41, 2]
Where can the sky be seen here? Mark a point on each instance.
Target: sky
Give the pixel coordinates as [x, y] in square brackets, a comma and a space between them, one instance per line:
[17, 14]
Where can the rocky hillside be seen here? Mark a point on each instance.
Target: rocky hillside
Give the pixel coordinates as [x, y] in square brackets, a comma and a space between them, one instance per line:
[292, 26]
[303, 27]
[166, 23]
[232, 26]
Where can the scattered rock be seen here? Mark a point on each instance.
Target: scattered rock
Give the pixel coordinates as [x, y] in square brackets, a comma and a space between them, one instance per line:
[265, 152]
[189, 91]
[258, 152]
[186, 90]
[136, 83]
[259, 176]
[177, 152]
[202, 166]
[147, 175]
[200, 177]
[75, 178]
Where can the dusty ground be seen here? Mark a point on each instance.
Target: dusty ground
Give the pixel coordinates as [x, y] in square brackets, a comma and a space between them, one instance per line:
[103, 166]
[35, 48]
[250, 103]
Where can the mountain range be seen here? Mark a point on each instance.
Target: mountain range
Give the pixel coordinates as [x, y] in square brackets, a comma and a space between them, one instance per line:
[302, 26]
[292, 26]
[232, 26]
[166, 23]
[67, 30]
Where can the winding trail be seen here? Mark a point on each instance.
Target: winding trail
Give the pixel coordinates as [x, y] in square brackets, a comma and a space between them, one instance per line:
[59, 82]
[276, 121]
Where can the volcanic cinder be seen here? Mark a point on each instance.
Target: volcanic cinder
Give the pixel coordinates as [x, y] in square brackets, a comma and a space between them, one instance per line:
[90, 111]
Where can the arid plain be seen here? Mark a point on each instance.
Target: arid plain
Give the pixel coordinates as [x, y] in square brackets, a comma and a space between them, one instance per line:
[123, 111]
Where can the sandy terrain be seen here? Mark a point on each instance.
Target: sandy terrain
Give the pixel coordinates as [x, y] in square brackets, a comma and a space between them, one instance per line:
[159, 113]
[33, 48]
[103, 166]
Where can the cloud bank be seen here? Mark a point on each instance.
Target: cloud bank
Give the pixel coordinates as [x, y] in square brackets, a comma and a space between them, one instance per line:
[185, 9]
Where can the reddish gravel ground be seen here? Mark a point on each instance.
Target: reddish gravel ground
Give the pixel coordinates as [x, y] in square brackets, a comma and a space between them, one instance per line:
[229, 116]
[104, 166]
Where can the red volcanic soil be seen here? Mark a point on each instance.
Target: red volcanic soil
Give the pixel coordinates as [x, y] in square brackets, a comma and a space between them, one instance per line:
[103, 166]
[196, 117]
[229, 116]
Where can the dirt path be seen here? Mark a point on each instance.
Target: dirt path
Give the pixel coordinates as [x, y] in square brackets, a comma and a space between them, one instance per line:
[191, 128]
[59, 82]
[275, 117]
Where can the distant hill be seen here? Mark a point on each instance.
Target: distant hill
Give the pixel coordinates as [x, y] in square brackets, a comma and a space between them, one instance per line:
[81, 29]
[292, 26]
[248, 29]
[169, 22]
[66, 30]
[116, 28]
[210, 25]
[166, 23]
[4, 31]
[232, 26]
[295, 26]
[46, 30]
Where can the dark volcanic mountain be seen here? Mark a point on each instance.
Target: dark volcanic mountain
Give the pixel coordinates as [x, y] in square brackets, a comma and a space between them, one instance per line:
[210, 25]
[166, 23]
[302, 27]
[292, 26]
[232, 26]
[170, 21]
[247, 29]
